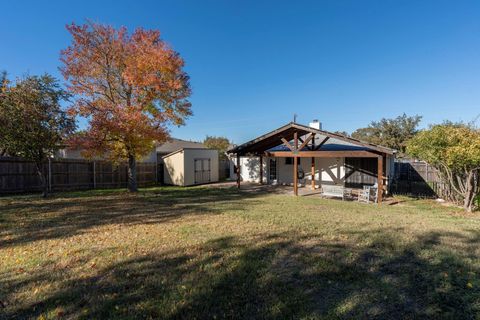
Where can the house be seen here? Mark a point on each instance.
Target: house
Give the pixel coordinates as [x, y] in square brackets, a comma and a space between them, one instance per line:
[300, 155]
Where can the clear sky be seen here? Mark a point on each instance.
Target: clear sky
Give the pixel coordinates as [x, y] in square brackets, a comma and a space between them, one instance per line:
[253, 64]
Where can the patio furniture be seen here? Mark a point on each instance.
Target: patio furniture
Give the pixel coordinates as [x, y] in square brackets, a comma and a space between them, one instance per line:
[336, 192]
[348, 194]
[368, 194]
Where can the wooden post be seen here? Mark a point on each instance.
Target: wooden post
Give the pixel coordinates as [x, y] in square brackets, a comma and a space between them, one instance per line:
[156, 168]
[261, 169]
[94, 175]
[313, 173]
[295, 164]
[238, 171]
[312, 147]
[295, 175]
[380, 179]
[49, 174]
[426, 173]
[68, 172]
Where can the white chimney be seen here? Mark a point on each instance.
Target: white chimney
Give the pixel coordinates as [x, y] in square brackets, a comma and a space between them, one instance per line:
[315, 124]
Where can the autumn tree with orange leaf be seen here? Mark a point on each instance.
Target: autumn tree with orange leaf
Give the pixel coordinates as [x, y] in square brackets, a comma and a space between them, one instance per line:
[129, 86]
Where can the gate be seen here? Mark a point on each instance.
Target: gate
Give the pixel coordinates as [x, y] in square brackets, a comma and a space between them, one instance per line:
[160, 174]
[223, 169]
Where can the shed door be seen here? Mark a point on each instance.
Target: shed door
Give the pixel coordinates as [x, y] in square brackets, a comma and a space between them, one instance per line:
[202, 170]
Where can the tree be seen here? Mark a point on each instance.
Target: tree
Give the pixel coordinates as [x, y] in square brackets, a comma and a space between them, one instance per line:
[392, 133]
[3, 89]
[454, 149]
[218, 143]
[129, 86]
[343, 133]
[32, 122]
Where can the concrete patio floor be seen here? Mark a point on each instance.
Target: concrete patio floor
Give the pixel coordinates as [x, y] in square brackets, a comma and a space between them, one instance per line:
[305, 191]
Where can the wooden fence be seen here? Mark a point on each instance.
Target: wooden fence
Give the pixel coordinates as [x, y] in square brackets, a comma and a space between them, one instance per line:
[17, 175]
[419, 179]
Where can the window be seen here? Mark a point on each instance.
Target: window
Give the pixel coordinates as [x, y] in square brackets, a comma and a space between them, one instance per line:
[290, 161]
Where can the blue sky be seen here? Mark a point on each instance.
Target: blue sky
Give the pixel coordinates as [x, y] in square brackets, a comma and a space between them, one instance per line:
[253, 64]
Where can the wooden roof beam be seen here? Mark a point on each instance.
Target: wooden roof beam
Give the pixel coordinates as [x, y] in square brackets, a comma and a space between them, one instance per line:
[323, 154]
[321, 144]
[287, 144]
[304, 143]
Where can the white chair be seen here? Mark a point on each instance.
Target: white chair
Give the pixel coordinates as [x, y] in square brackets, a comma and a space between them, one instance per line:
[364, 195]
[369, 193]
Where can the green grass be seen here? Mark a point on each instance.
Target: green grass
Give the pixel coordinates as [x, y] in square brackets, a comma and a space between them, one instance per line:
[208, 253]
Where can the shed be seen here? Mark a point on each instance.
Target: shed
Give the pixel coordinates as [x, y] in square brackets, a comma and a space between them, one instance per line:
[191, 166]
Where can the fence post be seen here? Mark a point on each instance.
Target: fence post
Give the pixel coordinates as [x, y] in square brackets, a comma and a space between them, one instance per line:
[94, 176]
[426, 172]
[50, 174]
[156, 169]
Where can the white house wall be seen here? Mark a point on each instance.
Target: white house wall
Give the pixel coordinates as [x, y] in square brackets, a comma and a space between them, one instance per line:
[331, 171]
[327, 170]
[249, 169]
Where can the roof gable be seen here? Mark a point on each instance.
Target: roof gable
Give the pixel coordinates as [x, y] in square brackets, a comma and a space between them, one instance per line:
[273, 139]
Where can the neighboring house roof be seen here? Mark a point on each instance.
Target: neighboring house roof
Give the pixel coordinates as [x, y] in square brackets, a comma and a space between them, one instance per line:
[171, 145]
[336, 142]
[182, 149]
[176, 144]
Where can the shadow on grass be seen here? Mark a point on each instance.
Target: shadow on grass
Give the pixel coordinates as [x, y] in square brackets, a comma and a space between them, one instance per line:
[276, 277]
[27, 219]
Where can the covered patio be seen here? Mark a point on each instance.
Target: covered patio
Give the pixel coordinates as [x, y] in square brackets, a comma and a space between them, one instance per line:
[298, 142]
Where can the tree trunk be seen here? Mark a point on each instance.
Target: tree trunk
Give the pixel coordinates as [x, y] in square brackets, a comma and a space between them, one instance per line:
[132, 173]
[43, 178]
[468, 203]
[470, 192]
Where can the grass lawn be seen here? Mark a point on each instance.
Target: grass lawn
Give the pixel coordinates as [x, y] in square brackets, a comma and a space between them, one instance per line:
[210, 253]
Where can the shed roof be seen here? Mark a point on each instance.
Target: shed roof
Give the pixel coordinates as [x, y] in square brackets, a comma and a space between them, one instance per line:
[175, 144]
[336, 142]
[182, 149]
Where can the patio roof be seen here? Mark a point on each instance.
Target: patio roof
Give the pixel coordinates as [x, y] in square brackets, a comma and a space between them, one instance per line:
[312, 143]
[274, 141]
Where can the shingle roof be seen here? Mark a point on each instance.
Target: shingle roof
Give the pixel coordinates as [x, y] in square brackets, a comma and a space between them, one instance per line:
[175, 144]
